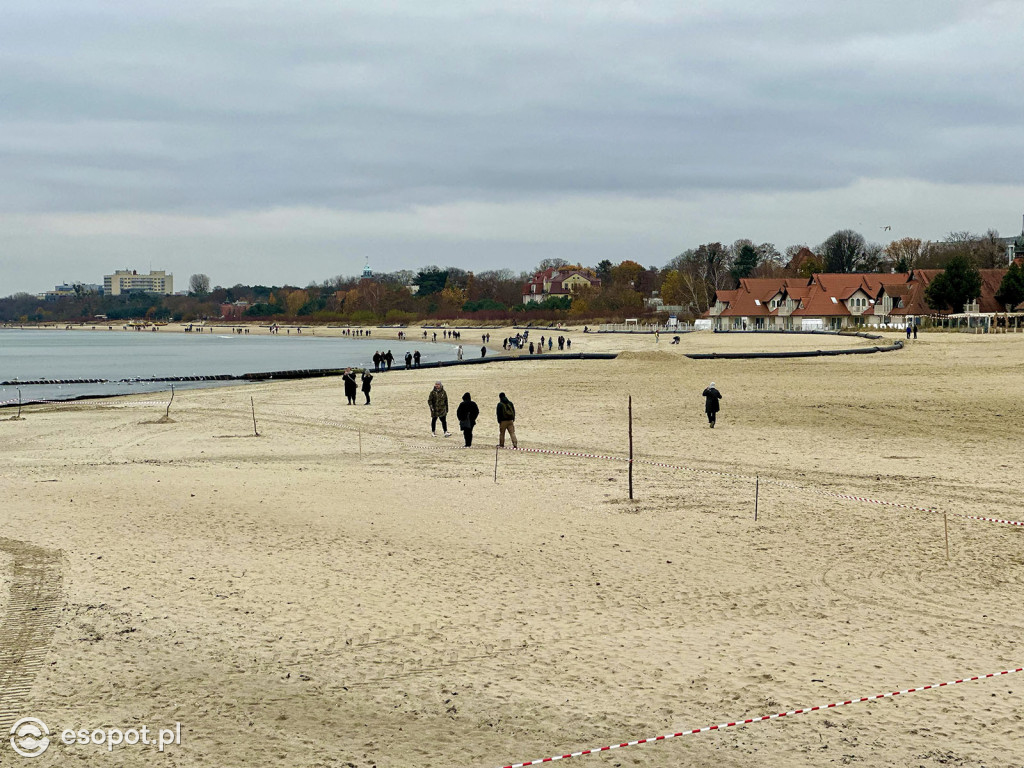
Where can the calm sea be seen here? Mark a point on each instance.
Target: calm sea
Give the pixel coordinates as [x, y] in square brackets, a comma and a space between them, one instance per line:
[29, 355]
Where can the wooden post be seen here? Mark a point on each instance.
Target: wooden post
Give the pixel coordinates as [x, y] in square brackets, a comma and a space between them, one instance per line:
[167, 415]
[254, 430]
[19, 402]
[945, 525]
[757, 492]
[630, 447]
[496, 448]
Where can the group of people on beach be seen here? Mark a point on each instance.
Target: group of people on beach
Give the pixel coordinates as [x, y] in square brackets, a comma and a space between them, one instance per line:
[352, 386]
[467, 413]
[382, 361]
[520, 341]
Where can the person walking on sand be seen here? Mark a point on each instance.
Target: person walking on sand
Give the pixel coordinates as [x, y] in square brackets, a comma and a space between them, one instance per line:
[367, 378]
[458, 352]
[349, 377]
[438, 402]
[711, 398]
[467, 414]
[506, 413]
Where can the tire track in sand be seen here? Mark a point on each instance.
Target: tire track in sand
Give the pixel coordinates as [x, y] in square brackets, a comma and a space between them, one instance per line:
[28, 622]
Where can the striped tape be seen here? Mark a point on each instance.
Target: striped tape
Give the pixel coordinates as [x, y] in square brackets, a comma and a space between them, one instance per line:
[761, 719]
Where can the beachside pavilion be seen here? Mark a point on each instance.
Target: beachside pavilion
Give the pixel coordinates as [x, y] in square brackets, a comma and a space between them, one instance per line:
[834, 301]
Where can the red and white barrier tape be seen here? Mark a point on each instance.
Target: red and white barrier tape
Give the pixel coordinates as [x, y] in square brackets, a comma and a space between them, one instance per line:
[567, 453]
[988, 519]
[763, 718]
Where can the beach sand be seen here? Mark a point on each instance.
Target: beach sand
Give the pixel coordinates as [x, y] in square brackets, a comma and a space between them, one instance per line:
[292, 601]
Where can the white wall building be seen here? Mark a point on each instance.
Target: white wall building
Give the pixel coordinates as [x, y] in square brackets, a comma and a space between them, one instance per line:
[130, 281]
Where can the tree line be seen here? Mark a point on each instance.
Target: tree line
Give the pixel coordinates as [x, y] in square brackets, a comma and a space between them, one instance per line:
[688, 281]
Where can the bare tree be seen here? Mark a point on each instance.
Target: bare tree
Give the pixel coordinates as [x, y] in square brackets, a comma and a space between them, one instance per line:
[199, 285]
[844, 251]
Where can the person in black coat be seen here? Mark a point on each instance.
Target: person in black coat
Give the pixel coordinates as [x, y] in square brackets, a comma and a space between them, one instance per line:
[367, 378]
[711, 398]
[349, 377]
[467, 413]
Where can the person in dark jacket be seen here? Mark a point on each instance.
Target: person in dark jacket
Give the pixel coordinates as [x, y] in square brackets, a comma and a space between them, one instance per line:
[711, 398]
[438, 402]
[349, 377]
[416, 357]
[506, 413]
[367, 378]
[408, 359]
[389, 359]
[467, 413]
[376, 361]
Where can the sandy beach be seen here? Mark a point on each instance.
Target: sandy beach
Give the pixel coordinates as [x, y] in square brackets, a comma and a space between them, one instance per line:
[347, 590]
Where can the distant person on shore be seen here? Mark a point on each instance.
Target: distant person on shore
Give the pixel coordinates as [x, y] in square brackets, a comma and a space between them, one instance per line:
[467, 413]
[376, 361]
[531, 347]
[483, 351]
[416, 358]
[551, 344]
[506, 413]
[349, 377]
[568, 343]
[438, 402]
[389, 359]
[711, 407]
[908, 331]
[458, 352]
[408, 359]
[367, 378]
[915, 331]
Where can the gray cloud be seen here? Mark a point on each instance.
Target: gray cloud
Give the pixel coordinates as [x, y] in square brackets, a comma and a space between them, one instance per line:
[205, 109]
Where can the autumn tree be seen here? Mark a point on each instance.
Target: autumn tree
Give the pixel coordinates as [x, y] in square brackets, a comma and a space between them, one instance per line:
[627, 273]
[702, 271]
[294, 301]
[904, 253]
[672, 291]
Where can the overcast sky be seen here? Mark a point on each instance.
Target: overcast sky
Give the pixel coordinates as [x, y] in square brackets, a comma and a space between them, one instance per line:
[288, 142]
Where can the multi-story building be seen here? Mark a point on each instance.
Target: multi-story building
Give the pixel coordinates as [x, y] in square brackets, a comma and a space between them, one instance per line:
[130, 281]
[70, 290]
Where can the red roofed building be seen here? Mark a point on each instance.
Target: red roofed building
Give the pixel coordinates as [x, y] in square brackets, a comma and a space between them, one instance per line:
[835, 301]
[558, 281]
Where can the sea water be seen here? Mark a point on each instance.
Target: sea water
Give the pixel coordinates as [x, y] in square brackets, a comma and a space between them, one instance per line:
[120, 357]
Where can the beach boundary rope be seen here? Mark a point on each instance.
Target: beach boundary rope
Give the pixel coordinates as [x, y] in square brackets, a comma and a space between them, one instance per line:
[761, 719]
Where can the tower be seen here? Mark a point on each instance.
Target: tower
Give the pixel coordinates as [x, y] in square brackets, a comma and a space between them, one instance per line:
[367, 272]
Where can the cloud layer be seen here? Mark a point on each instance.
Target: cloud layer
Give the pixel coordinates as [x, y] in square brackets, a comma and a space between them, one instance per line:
[494, 136]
